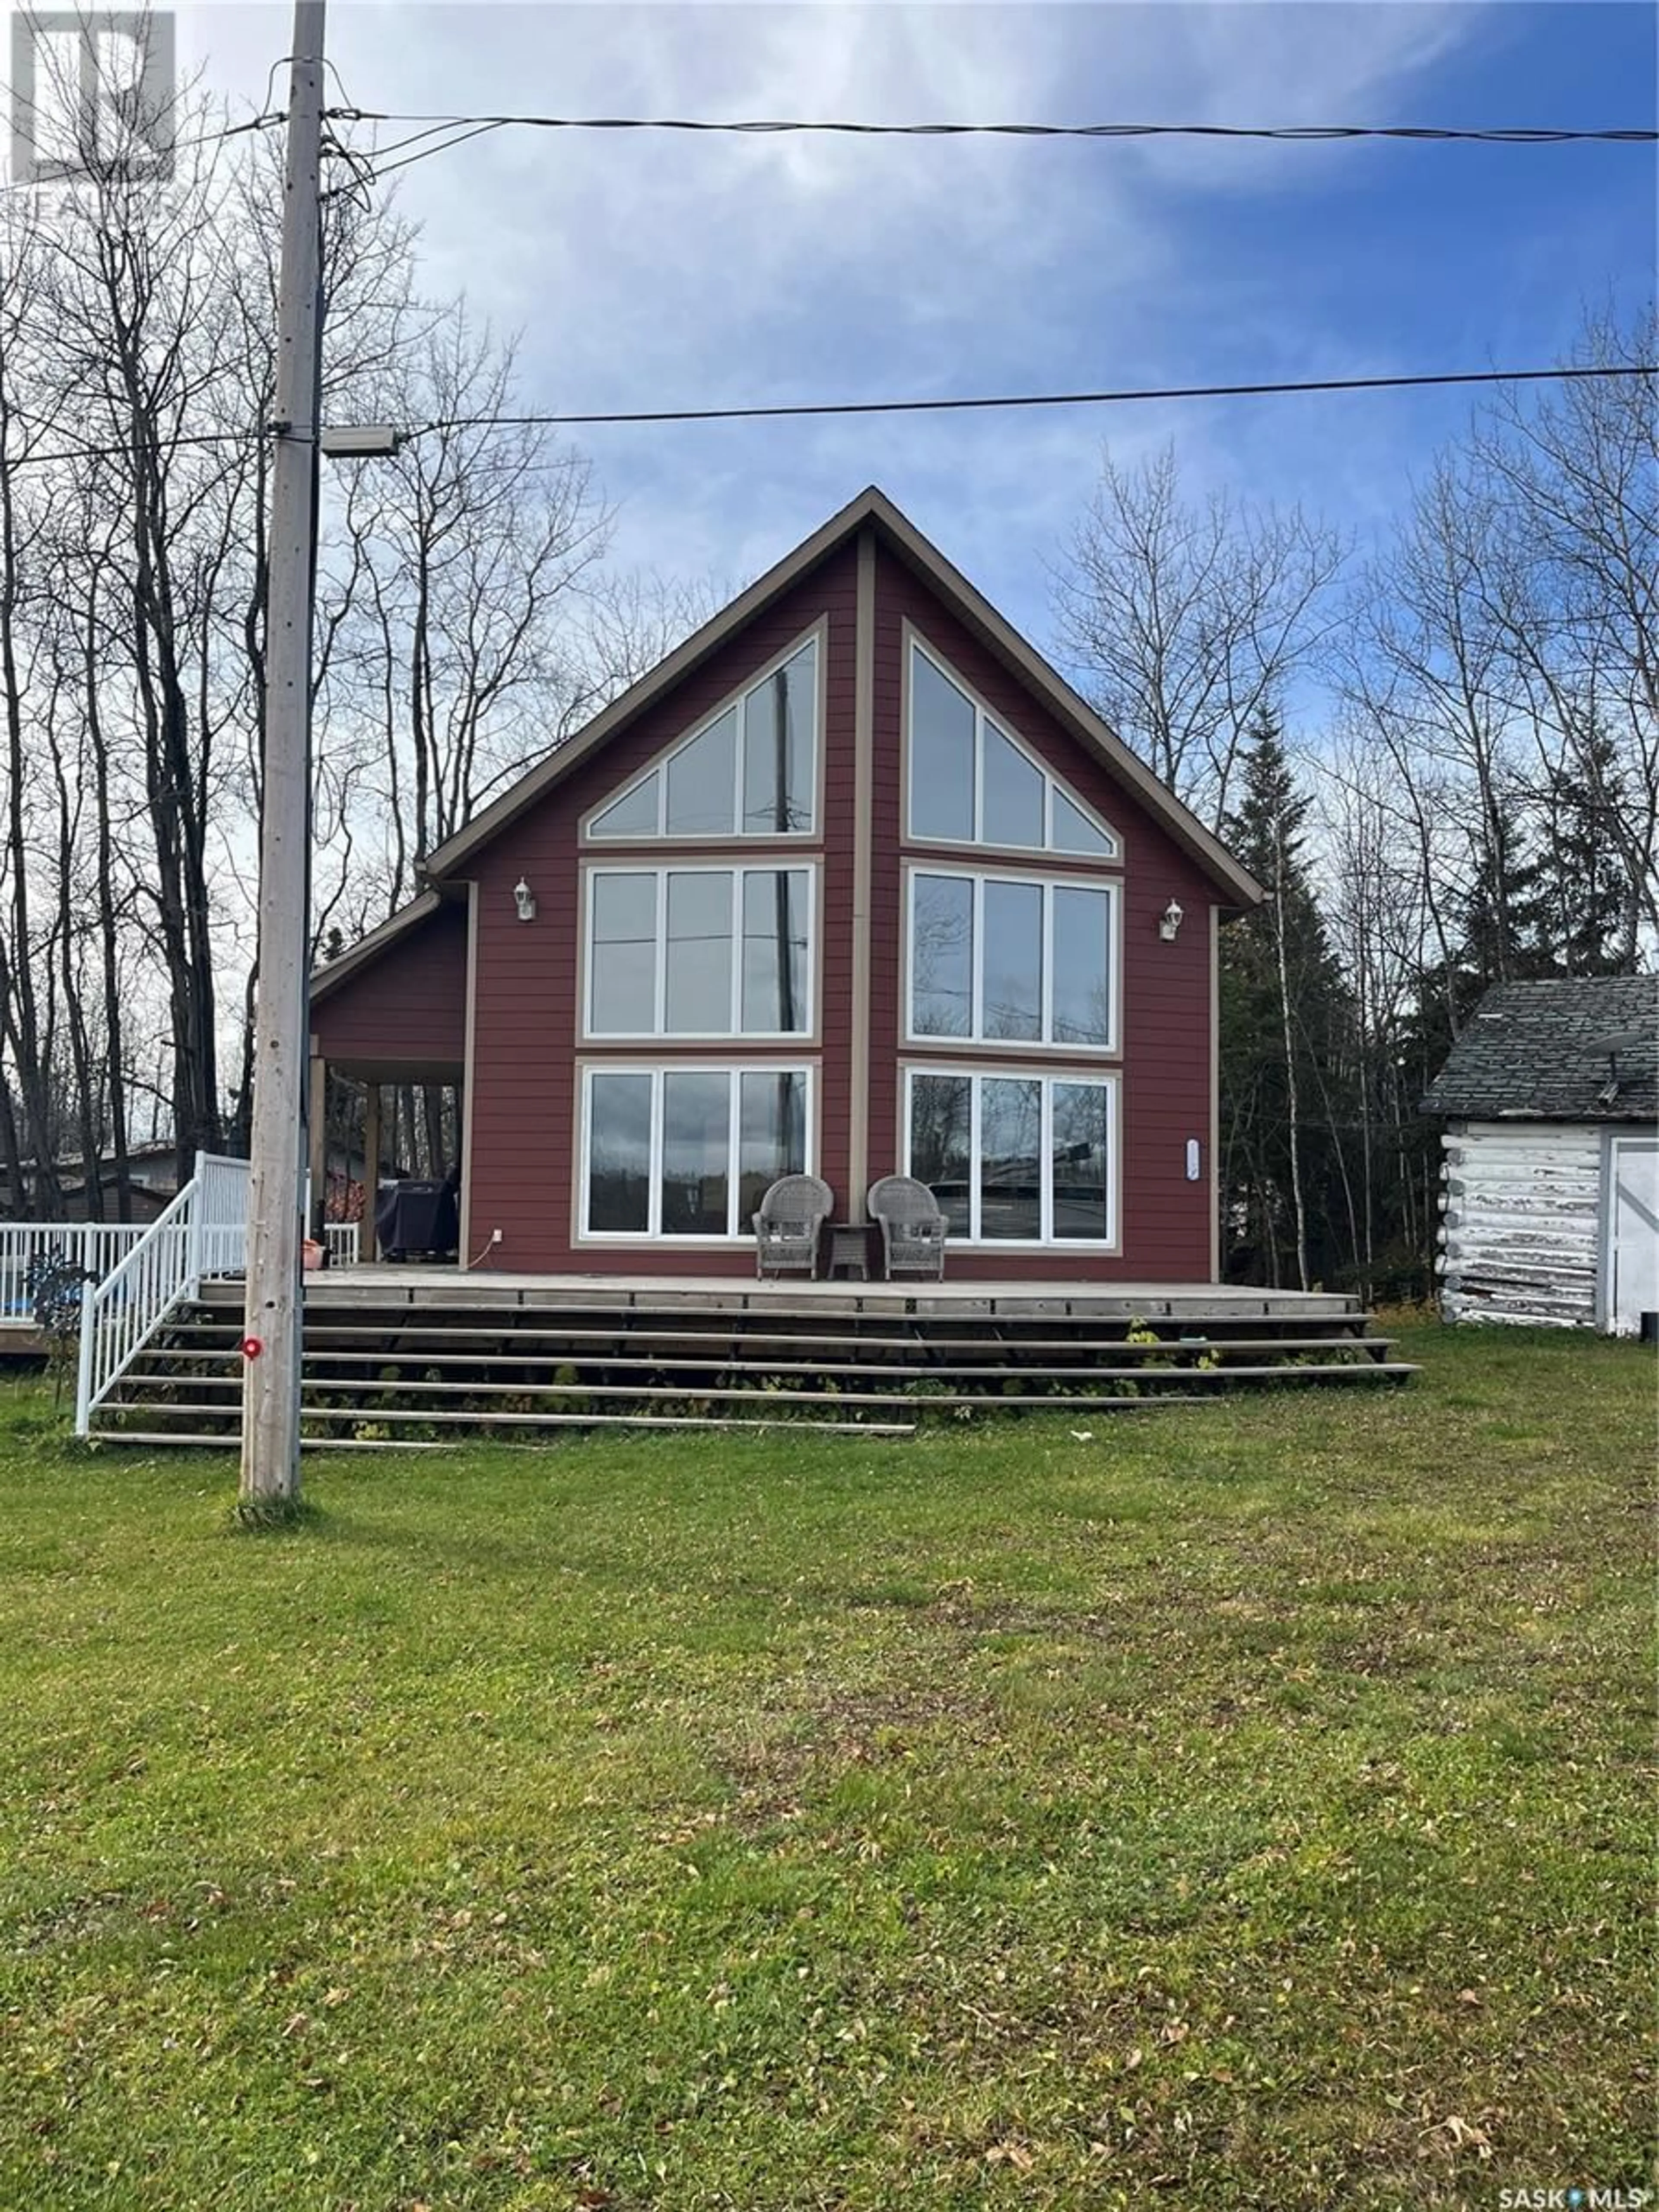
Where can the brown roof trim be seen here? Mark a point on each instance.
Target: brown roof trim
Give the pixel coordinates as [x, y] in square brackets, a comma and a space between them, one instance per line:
[329, 977]
[447, 857]
[1238, 888]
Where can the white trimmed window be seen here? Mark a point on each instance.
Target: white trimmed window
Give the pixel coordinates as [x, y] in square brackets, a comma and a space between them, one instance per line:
[688, 1152]
[1012, 959]
[699, 951]
[750, 772]
[973, 783]
[1016, 1158]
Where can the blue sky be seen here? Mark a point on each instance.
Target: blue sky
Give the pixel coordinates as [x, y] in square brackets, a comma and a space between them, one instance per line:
[648, 271]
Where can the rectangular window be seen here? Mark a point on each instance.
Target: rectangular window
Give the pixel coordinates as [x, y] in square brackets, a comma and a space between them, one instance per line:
[623, 954]
[1015, 1159]
[698, 952]
[697, 981]
[688, 1152]
[775, 946]
[619, 1153]
[1012, 960]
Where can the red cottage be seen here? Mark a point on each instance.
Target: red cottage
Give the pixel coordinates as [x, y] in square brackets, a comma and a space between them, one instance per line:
[852, 882]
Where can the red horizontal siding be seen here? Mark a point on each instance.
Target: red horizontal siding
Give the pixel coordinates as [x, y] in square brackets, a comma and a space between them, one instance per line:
[409, 1005]
[525, 1142]
[1166, 1064]
[523, 1138]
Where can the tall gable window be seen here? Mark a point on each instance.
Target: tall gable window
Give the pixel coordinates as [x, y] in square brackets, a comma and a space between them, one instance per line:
[972, 783]
[752, 772]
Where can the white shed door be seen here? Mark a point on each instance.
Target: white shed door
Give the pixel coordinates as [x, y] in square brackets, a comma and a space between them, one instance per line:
[1634, 1225]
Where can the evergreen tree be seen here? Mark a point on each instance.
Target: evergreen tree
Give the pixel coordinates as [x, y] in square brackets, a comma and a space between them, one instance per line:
[1586, 904]
[1287, 1045]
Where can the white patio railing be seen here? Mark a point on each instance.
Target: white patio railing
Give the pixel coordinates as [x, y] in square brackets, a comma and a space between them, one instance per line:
[344, 1242]
[202, 1233]
[94, 1246]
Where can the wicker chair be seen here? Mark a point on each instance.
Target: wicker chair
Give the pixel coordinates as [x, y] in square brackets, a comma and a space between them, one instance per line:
[913, 1230]
[789, 1224]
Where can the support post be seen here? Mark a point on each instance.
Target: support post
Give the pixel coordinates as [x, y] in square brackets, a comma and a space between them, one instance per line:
[276, 1149]
[370, 1240]
[317, 1119]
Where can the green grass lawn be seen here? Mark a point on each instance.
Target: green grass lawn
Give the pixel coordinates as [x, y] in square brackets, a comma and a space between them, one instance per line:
[1246, 1806]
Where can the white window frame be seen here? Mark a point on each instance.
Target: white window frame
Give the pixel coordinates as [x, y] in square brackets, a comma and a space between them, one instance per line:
[736, 869]
[657, 1070]
[1112, 1083]
[1109, 888]
[984, 715]
[659, 765]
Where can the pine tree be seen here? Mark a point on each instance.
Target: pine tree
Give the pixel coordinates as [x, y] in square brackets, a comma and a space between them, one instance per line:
[1286, 1034]
[1586, 904]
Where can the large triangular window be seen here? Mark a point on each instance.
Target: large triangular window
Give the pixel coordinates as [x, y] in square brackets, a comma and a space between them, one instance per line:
[750, 772]
[973, 783]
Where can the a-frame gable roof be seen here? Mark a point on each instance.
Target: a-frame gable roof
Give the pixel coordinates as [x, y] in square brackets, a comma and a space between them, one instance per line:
[871, 510]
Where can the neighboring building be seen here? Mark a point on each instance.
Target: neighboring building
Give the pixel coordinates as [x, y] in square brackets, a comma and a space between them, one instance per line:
[152, 1183]
[1551, 1201]
[854, 883]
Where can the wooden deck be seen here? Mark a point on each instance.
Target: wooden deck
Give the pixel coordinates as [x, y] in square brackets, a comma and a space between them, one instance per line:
[478, 1289]
[424, 1355]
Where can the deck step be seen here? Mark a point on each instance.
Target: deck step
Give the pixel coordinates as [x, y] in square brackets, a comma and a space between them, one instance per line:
[1211, 1378]
[227, 1437]
[419, 1365]
[325, 1339]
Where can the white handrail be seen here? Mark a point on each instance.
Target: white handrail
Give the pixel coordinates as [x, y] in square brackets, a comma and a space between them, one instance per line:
[202, 1233]
[94, 1246]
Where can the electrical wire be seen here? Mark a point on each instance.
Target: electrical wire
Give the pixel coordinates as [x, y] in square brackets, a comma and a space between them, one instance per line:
[377, 168]
[1030, 399]
[1287, 133]
[1015, 399]
[134, 445]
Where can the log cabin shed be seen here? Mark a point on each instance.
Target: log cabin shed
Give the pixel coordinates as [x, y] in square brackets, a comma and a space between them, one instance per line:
[1550, 1179]
[852, 882]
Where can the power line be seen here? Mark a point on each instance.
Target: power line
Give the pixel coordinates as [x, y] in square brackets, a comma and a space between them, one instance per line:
[1308, 133]
[133, 446]
[1030, 399]
[833, 407]
[113, 165]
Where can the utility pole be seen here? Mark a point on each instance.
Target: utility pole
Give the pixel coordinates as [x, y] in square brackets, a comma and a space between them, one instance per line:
[272, 1328]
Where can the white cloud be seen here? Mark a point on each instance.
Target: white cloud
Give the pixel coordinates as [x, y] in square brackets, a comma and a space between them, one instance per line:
[652, 269]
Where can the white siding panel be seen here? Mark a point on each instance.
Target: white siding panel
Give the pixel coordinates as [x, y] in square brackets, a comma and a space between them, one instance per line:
[1521, 1222]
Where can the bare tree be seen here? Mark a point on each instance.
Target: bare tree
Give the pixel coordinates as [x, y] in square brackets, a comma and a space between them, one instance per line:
[1574, 477]
[1185, 619]
[458, 566]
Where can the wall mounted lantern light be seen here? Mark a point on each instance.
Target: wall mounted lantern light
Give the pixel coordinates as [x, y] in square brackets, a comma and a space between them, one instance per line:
[525, 899]
[1170, 921]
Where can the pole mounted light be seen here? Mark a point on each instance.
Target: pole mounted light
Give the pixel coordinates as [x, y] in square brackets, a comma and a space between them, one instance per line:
[363, 442]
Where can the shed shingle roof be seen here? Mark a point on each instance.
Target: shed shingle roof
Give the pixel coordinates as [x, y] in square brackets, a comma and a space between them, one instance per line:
[1585, 1049]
